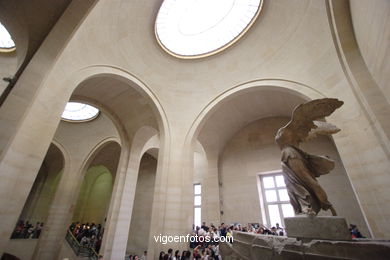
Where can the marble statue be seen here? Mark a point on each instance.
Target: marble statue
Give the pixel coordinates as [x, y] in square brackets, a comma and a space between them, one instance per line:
[301, 169]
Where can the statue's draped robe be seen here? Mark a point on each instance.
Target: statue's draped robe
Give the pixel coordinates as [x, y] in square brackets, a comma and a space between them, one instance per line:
[300, 170]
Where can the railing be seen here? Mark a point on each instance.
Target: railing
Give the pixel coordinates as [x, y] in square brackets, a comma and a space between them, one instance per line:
[79, 249]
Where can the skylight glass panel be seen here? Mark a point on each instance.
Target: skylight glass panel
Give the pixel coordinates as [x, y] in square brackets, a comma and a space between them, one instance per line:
[197, 28]
[75, 111]
[6, 42]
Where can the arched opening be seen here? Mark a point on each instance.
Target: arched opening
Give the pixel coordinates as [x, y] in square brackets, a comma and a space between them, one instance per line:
[251, 156]
[133, 113]
[36, 208]
[94, 197]
[37, 205]
[127, 105]
[138, 238]
[238, 134]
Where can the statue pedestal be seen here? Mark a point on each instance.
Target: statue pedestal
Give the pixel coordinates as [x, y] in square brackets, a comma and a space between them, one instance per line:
[258, 247]
[317, 227]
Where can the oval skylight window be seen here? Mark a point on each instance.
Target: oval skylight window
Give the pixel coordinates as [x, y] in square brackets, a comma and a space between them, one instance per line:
[75, 111]
[6, 42]
[198, 28]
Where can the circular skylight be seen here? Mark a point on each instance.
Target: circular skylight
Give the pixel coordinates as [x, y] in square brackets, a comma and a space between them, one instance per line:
[198, 28]
[6, 42]
[75, 111]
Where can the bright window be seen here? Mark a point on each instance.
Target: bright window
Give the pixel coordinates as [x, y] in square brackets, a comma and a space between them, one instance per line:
[76, 111]
[197, 28]
[6, 42]
[276, 200]
[197, 205]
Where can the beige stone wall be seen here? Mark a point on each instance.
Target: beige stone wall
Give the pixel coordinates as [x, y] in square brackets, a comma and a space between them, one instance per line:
[41, 195]
[142, 211]
[22, 248]
[94, 197]
[253, 151]
[372, 31]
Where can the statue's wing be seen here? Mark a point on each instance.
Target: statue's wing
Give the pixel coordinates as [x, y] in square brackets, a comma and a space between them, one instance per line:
[304, 119]
[322, 128]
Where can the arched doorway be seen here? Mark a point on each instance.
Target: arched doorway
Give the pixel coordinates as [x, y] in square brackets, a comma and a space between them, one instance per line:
[138, 240]
[237, 133]
[131, 110]
[90, 211]
[36, 208]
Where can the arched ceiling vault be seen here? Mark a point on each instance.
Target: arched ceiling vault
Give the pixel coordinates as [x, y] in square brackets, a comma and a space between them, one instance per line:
[371, 23]
[235, 113]
[54, 159]
[296, 47]
[132, 109]
[108, 156]
[28, 24]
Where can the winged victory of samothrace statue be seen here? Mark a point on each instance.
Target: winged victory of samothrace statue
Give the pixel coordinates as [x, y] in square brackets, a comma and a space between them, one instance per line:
[301, 169]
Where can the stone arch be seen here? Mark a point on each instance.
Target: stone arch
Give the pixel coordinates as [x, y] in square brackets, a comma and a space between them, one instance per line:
[304, 91]
[152, 146]
[87, 165]
[110, 72]
[235, 116]
[86, 198]
[255, 88]
[107, 87]
[64, 152]
[37, 205]
[373, 99]
[66, 197]
[98, 147]
[144, 198]
[146, 138]
[33, 37]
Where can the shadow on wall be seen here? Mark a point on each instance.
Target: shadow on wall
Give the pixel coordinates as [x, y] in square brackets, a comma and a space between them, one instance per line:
[7, 256]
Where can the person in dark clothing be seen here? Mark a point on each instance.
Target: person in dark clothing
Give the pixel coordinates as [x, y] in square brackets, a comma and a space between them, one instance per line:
[355, 233]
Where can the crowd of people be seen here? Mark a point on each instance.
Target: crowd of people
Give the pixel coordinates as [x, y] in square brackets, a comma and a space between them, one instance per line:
[215, 233]
[208, 249]
[27, 230]
[88, 235]
[185, 255]
[136, 257]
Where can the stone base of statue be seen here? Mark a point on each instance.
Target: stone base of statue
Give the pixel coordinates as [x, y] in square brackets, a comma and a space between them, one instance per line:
[259, 247]
[317, 227]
